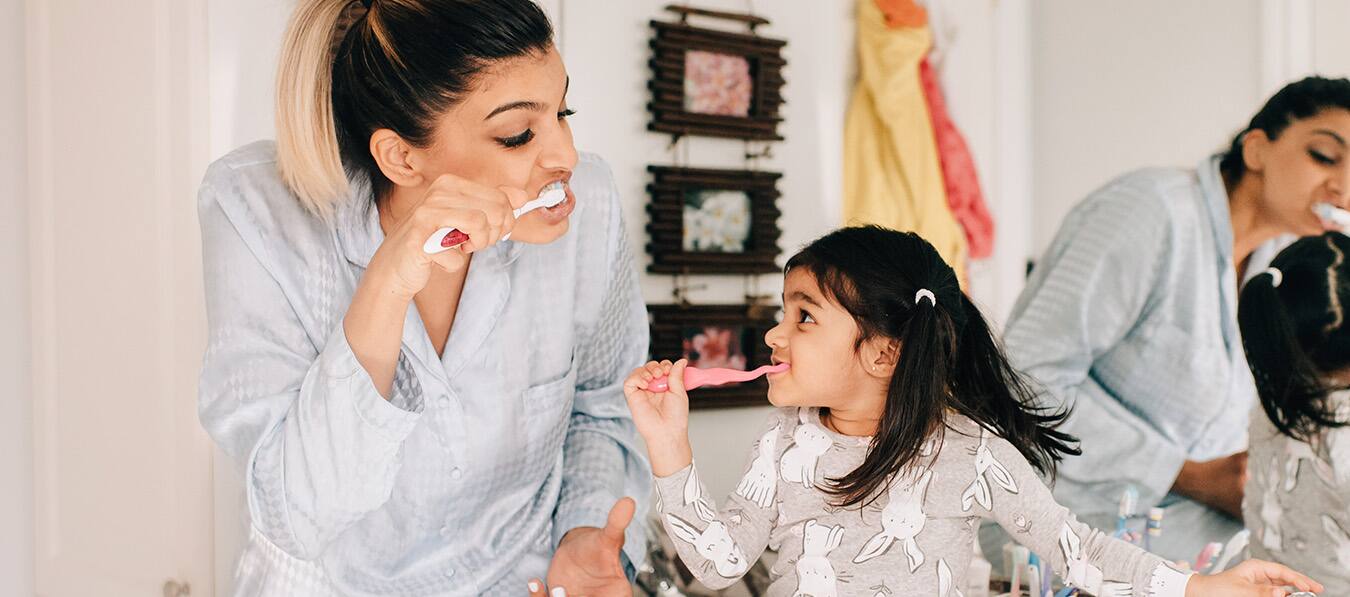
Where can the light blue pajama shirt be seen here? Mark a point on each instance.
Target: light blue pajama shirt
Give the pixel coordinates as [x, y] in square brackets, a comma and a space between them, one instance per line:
[1130, 318]
[464, 482]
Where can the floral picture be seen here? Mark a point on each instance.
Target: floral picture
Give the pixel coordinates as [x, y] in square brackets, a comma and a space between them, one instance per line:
[714, 346]
[712, 221]
[716, 83]
[716, 336]
[716, 221]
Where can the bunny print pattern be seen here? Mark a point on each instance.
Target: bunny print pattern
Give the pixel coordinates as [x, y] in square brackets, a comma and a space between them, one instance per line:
[914, 539]
[1298, 497]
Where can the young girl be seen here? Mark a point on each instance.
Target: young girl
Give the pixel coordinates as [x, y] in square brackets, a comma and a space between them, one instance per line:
[1293, 319]
[900, 427]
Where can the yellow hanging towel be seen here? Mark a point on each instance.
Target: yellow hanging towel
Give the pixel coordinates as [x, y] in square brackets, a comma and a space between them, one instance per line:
[892, 173]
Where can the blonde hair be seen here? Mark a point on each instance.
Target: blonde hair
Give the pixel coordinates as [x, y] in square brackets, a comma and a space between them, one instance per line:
[308, 155]
[405, 63]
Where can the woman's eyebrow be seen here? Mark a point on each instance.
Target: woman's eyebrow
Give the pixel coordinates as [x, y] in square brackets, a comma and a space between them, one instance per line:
[520, 105]
[1338, 138]
[525, 104]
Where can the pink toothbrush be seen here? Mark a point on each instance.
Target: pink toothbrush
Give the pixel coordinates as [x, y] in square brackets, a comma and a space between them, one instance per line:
[694, 377]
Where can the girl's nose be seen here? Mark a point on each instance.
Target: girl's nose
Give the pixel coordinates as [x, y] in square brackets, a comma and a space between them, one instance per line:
[774, 337]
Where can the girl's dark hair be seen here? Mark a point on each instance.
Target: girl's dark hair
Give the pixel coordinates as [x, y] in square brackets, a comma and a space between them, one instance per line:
[1296, 334]
[949, 360]
[1296, 101]
[351, 67]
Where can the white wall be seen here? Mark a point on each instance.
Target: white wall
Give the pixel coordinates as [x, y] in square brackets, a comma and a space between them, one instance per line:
[1122, 85]
[16, 439]
[609, 76]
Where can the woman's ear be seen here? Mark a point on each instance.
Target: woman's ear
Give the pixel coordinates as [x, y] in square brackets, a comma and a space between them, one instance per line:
[880, 356]
[1255, 145]
[395, 158]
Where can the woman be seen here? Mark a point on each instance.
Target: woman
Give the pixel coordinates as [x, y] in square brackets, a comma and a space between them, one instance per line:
[1130, 317]
[409, 423]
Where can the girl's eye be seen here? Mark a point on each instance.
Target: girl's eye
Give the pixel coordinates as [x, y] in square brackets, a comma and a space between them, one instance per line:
[805, 317]
[1321, 158]
[565, 113]
[516, 140]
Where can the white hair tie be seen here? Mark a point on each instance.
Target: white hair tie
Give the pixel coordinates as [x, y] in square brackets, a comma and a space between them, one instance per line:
[1276, 277]
[925, 293]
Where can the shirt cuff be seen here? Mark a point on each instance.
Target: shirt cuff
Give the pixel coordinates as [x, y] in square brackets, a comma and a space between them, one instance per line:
[1168, 582]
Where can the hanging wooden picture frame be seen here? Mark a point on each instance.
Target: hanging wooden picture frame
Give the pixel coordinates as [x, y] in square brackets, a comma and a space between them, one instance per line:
[715, 83]
[710, 221]
[730, 336]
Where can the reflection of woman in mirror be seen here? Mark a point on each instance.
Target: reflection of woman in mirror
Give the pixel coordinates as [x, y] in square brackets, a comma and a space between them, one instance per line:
[412, 423]
[1130, 317]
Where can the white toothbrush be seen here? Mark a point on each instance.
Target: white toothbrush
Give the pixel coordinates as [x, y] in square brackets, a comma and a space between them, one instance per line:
[449, 238]
[1333, 215]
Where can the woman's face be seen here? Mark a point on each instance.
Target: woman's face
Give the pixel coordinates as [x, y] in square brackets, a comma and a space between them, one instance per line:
[511, 130]
[1308, 163]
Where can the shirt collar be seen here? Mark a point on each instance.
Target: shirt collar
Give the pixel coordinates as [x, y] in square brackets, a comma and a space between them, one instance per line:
[1216, 200]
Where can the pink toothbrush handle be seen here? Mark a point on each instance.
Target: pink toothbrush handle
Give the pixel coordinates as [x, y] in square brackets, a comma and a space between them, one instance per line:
[695, 377]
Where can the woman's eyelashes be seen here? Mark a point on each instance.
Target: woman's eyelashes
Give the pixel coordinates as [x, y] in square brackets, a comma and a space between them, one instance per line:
[515, 141]
[1322, 158]
[527, 135]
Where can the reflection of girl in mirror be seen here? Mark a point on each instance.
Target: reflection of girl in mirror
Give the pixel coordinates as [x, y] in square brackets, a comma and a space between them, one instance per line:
[1297, 337]
[411, 423]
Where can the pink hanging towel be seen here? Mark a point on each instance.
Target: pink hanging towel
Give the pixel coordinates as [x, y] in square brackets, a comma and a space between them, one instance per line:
[958, 171]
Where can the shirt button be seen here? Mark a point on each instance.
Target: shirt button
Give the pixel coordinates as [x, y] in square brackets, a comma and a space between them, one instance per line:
[443, 399]
[449, 573]
[455, 473]
[445, 531]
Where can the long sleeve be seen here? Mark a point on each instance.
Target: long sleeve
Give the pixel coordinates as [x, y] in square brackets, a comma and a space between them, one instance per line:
[719, 546]
[1086, 296]
[318, 444]
[1086, 558]
[602, 460]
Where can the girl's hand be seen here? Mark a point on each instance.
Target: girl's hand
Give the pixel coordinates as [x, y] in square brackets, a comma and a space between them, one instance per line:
[661, 417]
[485, 214]
[1252, 578]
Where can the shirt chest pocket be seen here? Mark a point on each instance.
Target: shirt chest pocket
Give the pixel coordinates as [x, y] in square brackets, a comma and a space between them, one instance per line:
[547, 407]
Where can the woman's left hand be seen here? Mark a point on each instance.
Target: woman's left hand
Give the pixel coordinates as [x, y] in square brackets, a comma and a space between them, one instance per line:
[587, 562]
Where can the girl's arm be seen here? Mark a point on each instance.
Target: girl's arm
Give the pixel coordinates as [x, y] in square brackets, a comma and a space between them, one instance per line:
[1089, 559]
[719, 546]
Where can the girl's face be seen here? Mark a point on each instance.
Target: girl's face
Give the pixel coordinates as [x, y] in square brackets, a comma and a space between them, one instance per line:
[511, 130]
[1308, 163]
[817, 337]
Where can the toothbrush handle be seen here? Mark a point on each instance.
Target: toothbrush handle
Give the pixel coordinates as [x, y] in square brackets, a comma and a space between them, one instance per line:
[444, 239]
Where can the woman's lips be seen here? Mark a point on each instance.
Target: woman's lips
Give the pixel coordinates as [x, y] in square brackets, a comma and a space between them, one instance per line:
[559, 212]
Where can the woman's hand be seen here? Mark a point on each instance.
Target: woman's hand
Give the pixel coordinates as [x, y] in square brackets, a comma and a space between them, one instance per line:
[1217, 483]
[661, 417]
[401, 268]
[587, 562]
[483, 213]
[1252, 578]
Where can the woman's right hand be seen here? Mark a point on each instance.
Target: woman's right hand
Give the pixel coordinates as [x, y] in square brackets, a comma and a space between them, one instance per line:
[661, 417]
[485, 214]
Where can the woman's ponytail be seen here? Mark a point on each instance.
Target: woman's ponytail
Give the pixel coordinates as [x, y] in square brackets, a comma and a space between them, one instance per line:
[307, 140]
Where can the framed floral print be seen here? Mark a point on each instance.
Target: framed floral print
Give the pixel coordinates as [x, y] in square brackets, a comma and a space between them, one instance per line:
[713, 221]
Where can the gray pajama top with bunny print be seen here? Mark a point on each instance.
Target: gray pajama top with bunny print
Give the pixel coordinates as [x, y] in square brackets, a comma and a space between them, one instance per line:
[914, 541]
[1298, 498]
